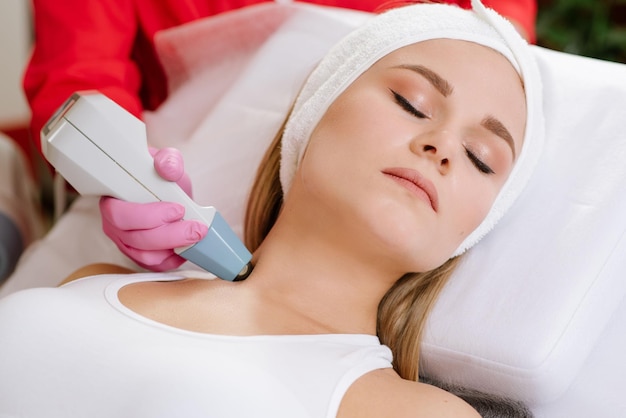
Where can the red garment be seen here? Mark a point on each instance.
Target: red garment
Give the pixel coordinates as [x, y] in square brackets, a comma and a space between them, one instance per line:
[108, 46]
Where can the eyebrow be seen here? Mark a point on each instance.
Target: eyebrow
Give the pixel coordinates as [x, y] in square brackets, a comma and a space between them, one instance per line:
[438, 82]
[495, 126]
[442, 86]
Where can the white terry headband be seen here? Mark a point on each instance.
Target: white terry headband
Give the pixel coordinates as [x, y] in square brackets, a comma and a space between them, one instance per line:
[403, 26]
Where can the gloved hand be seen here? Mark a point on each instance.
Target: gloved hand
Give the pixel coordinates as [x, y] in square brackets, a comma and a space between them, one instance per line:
[148, 232]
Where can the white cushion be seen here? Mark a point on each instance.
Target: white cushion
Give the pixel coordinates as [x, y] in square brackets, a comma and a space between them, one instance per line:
[530, 302]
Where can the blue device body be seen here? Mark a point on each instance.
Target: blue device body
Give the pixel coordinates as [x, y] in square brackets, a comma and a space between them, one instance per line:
[220, 252]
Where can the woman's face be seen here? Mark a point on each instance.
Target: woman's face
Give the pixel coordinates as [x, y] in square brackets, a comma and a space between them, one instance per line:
[409, 159]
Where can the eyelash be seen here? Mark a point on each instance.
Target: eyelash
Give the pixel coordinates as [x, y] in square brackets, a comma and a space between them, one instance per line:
[408, 107]
[478, 163]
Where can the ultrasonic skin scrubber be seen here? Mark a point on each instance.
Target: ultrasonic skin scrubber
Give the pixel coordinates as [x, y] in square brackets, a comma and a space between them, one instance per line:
[102, 150]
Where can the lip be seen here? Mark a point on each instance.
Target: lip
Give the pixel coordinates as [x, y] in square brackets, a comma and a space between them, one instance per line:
[415, 182]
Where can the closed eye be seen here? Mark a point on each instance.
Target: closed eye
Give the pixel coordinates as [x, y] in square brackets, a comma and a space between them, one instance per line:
[478, 163]
[407, 106]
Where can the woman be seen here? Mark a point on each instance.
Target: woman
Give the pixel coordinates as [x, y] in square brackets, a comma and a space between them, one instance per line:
[406, 145]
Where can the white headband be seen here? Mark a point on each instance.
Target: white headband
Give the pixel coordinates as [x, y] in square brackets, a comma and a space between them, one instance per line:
[404, 26]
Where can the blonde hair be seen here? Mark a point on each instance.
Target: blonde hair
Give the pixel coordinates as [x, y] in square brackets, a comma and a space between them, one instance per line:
[402, 312]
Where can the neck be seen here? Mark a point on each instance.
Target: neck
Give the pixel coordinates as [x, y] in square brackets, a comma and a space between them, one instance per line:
[320, 278]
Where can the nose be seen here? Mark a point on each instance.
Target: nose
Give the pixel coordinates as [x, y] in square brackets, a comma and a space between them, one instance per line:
[437, 147]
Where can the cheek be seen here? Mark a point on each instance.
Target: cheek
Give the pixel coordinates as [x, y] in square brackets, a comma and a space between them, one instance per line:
[343, 147]
[471, 204]
[328, 169]
[472, 210]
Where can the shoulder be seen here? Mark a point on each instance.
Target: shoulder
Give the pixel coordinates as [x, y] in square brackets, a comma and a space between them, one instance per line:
[95, 269]
[382, 393]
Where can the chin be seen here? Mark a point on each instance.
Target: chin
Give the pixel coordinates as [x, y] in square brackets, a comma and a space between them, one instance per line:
[411, 253]
[422, 254]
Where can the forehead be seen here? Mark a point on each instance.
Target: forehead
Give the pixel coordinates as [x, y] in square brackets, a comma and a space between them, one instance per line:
[456, 51]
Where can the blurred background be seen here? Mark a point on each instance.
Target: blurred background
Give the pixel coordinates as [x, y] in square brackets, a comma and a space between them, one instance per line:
[593, 28]
[15, 39]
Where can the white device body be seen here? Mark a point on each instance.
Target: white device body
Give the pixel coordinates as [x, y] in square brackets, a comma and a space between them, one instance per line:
[101, 149]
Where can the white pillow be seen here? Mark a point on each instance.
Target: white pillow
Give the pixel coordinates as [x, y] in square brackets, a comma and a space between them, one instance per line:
[528, 305]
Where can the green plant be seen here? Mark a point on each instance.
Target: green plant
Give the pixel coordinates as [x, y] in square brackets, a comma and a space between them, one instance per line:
[593, 28]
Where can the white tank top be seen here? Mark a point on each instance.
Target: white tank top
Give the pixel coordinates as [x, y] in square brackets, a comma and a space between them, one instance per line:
[76, 351]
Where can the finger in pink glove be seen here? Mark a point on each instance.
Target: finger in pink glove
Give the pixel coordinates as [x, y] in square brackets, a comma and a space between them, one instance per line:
[147, 233]
[168, 162]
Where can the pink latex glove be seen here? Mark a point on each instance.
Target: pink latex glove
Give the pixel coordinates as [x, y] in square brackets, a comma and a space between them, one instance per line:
[148, 232]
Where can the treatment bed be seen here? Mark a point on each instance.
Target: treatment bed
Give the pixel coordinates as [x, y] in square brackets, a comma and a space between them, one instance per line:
[536, 311]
